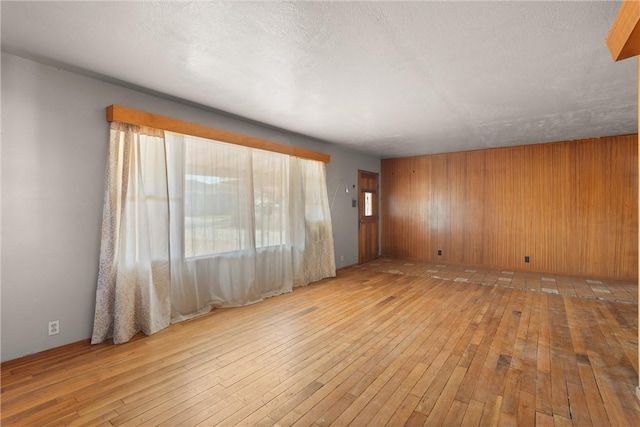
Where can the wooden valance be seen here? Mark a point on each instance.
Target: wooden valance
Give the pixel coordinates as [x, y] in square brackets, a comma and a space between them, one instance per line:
[116, 113]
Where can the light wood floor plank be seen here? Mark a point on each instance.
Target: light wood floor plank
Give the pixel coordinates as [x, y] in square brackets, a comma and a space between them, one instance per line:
[473, 415]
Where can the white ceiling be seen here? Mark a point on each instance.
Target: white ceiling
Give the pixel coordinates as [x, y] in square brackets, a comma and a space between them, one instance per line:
[388, 78]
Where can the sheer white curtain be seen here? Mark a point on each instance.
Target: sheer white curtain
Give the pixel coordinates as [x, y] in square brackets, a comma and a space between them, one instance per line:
[191, 224]
[229, 214]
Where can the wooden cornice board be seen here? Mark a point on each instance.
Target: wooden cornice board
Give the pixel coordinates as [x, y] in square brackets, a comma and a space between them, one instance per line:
[624, 37]
[117, 113]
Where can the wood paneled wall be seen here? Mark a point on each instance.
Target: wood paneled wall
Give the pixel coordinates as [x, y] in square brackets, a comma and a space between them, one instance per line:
[571, 207]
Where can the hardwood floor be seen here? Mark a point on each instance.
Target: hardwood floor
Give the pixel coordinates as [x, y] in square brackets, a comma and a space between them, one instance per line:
[582, 287]
[365, 348]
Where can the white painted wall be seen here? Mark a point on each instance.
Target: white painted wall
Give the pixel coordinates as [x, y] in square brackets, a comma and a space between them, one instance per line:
[54, 148]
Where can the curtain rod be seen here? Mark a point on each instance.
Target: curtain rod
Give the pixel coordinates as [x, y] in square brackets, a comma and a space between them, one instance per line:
[117, 113]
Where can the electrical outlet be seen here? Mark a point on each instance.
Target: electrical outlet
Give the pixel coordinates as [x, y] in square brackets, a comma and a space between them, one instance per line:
[526, 259]
[54, 327]
[439, 251]
[341, 257]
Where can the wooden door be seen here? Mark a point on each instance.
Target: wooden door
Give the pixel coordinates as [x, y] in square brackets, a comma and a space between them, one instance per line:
[368, 216]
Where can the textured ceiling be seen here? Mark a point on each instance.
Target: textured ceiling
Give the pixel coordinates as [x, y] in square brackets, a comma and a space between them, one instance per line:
[392, 79]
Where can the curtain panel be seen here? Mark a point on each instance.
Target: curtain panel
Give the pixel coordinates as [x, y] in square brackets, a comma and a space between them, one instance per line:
[133, 292]
[190, 224]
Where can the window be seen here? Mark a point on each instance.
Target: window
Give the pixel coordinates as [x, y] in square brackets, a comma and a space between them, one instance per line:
[215, 191]
[368, 203]
[232, 195]
[270, 198]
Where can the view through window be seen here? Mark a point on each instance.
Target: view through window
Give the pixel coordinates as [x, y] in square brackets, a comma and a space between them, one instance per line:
[231, 196]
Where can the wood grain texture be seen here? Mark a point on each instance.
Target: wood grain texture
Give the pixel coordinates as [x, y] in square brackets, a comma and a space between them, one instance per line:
[117, 113]
[364, 348]
[624, 36]
[570, 206]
